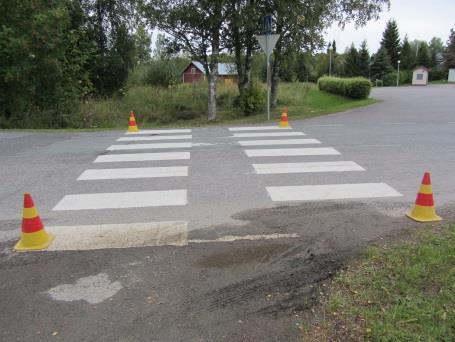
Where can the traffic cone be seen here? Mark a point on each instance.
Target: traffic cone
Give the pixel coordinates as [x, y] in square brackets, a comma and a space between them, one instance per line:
[33, 236]
[284, 118]
[423, 209]
[132, 127]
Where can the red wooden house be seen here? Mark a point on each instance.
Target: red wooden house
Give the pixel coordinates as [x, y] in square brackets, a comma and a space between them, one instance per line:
[195, 72]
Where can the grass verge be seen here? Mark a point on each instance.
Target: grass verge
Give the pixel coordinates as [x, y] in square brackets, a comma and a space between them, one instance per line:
[400, 293]
[185, 106]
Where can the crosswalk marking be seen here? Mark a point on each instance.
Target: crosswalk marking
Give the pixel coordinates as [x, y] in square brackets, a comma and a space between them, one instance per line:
[136, 157]
[118, 200]
[330, 192]
[160, 131]
[335, 166]
[89, 237]
[267, 134]
[279, 142]
[157, 137]
[140, 172]
[257, 128]
[148, 146]
[282, 152]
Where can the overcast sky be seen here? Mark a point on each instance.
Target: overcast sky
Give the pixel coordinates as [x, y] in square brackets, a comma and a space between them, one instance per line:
[419, 19]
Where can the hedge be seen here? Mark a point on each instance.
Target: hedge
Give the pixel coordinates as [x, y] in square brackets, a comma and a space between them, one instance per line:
[356, 88]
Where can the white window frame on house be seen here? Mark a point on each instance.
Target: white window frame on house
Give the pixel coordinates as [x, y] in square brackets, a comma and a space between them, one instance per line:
[193, 70]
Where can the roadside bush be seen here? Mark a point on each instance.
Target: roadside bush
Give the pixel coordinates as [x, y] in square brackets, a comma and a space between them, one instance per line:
[437, 74]
[356, 88]
[162, 73]
[252, 101]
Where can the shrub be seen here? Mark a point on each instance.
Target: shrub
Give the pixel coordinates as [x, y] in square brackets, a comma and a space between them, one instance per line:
[162, 73]
[356, 88]
[252, 101]
[437, 74]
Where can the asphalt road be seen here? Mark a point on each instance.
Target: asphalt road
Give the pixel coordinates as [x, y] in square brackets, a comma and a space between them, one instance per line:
[208, 289]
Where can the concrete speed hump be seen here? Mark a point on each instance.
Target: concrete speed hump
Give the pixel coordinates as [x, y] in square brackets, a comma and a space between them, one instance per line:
[267, 42]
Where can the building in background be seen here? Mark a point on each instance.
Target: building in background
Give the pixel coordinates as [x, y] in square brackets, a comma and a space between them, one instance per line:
[195, 72]
[420, 75]
[451, 75]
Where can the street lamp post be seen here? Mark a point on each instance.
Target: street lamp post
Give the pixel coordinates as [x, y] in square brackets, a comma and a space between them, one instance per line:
[330, 59]
[398, 73]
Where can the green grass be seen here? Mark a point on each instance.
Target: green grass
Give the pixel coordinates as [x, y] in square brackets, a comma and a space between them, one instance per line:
[186, 106]
[439, 82]
[400, 293]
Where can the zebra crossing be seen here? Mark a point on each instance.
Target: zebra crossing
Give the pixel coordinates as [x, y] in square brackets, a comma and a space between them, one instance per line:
[117, 200]
[302, 192]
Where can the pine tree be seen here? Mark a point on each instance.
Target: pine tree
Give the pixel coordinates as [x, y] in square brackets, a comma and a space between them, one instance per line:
[364, 60]
[449, 56]
[391, 42]
[423, 57]
[381, 64]
[436, 48]
[407, 57]
[352, 60]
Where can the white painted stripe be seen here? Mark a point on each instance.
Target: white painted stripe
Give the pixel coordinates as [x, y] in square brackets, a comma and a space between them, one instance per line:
[140, 172]
[267, 134]
[401, 123]
[327, 125]
[282, 152]
[335, 166]
[133, 157]
[139, 199]
[158, 137]
[231, 238]
[257, 128]
[148, 146]
[173, 233]
[279, 142]
[330, 192]
[160, 131]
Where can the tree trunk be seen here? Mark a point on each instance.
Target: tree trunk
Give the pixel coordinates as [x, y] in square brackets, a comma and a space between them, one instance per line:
[275, 74]
[213, 75]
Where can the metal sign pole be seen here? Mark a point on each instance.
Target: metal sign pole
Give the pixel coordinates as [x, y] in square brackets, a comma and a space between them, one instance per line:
[268, 79]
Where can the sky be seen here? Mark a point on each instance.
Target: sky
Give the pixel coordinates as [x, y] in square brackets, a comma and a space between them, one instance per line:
[419, 19]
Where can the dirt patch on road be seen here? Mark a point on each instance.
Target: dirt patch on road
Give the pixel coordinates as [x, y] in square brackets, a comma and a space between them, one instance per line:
[247, 290]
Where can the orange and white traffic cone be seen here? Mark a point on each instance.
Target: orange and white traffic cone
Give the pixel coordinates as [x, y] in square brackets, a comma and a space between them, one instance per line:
[423, 209]
[132, 126]
[284, 118]
[33, 236]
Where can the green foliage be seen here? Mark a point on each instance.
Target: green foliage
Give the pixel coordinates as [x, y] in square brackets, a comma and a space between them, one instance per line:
[391, 41]
[423, 57]
[402, 293]
[252, 100]
[364, 61]
[162, 73]
[437, 74]
[43, 57]
[356, 88]
[436, 50]
[449, 56]
[352, 62]
[381, 64]
[407, 55]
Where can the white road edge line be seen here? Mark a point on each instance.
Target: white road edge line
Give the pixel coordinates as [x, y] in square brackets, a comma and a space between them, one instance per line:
[117, 200]
[130, 173]
[330, 192]
[135, 157]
